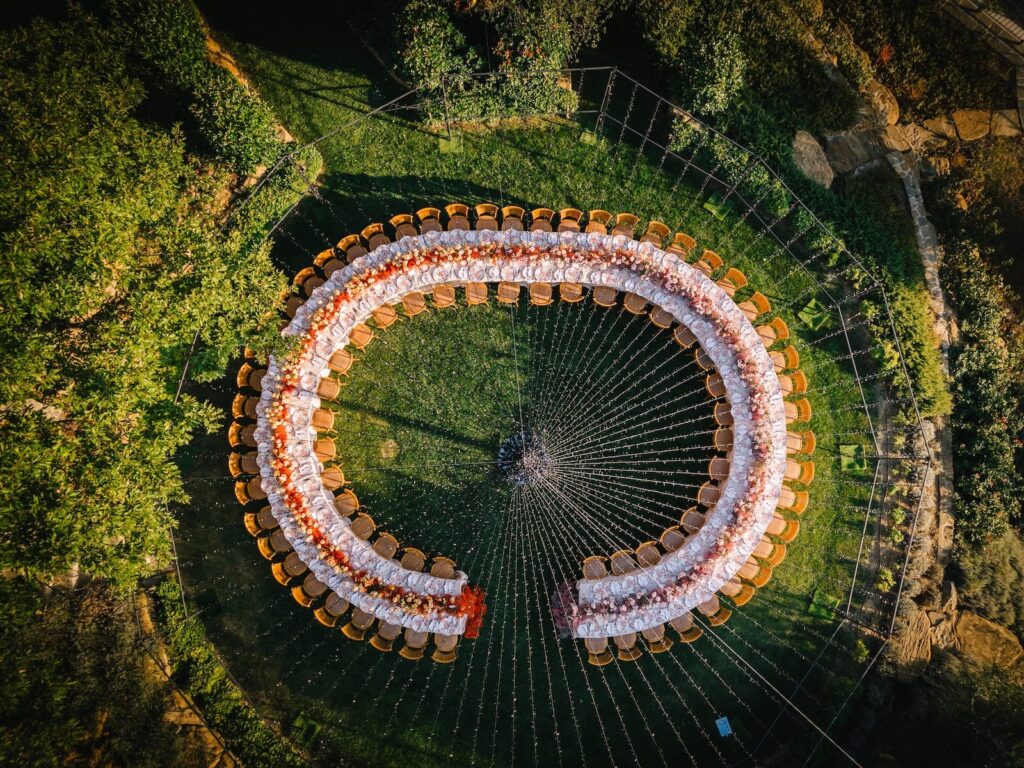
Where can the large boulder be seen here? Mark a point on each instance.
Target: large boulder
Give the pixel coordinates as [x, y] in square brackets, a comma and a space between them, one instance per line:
[972, 124]
[810, 158]
[849, 150]
[942, 126]
[882, 103]
[1005, 123]
[987, 642]
[893, 138]
[922, 139]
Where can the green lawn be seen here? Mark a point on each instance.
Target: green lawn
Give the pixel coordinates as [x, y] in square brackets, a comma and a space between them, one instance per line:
[441, 390]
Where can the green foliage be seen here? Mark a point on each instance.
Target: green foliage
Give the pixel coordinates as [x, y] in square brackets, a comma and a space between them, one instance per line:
[885, 580]
[107, 224]
[236, 127]
[860, 652]
[989, 578]
[986, 365]
[199, 669]
[168, 36]
[76, 689]
[715, 73]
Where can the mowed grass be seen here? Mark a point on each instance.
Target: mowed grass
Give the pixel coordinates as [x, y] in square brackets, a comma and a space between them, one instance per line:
[381, 710]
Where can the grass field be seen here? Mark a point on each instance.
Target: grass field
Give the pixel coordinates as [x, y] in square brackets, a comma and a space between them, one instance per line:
[444, 386]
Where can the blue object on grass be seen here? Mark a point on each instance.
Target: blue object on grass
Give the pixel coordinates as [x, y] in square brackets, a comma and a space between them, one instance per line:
[724, 729]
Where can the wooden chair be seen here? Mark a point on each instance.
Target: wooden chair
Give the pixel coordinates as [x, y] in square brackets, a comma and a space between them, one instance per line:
[414, 303]
[429, 220]
[458, 216]
[540, 220]
[672, 539]
[334, 608]
[716, 613]
[352, 246]
[541, 294]
[346, 503]
[692, 520]
[656, 640]
[597, 221]
[661, 318]
[244, 407]
[446, 648]
[443, 296]
[718, 469]
[683, 336]
[656, 233]
[801, 442]
[622, 562]
[703, 359]
[782, 529]
[793, 501]
[476, 293]
[755, 306]
[594, 567]
[682, 245]
[384, 638]
[340, 362]
[386, 546]
[242, 435]
[626, 648]
[512, 218]
[358, 625]
[360, 336]
[571, 292]
[328, 389]
[250, 377]
[733, 281]
[799, 471]
[773, 331]
[324, 449]
[715, 385]
[254, 489]
[486, 216]
[307, 280]
[243, 464]
[625, 224]
[323, 420]
[384, 316]
[634, 304]
[709, 494]
[723, 439]
[402, 225]
[798, 410]
[685, 628]
[569, 219]
[443, 568]
[737, 591]
[325, 256]
[413, 559]
[363, 526]
[723, 414]
[508, 293]
[415, 642]
[709, 262]
[597, 651]
[785, 359]
[794, 383]
[286, 571]
[332, 478]
[648, 554]
[756, 574]
[776, 554]
[274, 545]
[604, 296]
[375, 236]
[306, 593]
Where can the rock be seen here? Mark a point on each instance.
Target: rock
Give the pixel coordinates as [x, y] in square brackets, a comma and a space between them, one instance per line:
[1005, 123]
[923, 140]
[944, 539]
[894, 139]
[882, 102]
[850, 150]
[282, 134]
[942, 126]
[987, 642]
[972, 124]
[810, 158]
[913, 646]
[950, 598]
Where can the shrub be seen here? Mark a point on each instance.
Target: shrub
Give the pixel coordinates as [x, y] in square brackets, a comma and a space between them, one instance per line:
[989, 578]
[715, 73]
[860, 652]
[236, 126]
[885, 580]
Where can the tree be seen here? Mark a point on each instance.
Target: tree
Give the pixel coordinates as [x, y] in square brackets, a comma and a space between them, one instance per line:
[114, 261]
